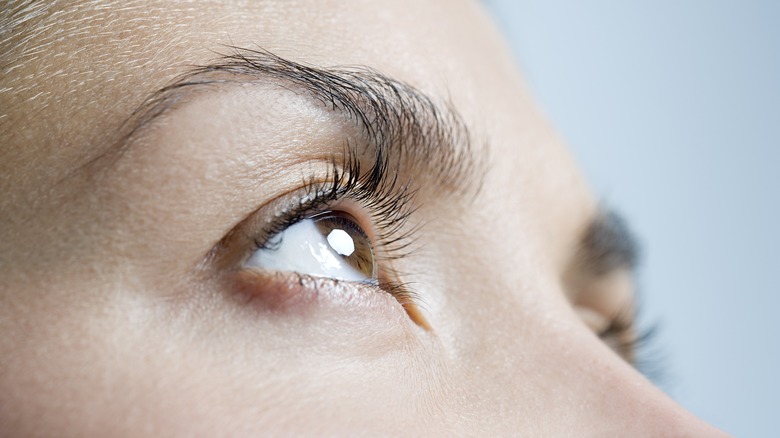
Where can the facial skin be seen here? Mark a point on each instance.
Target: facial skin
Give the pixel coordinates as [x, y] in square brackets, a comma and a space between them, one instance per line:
[125, 305]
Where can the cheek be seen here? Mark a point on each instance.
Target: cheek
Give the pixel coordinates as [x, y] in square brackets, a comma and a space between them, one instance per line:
[329, 370]
[212, 366]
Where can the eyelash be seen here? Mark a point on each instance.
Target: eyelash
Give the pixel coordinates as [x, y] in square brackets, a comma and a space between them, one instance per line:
[637, 345]
[388, 203]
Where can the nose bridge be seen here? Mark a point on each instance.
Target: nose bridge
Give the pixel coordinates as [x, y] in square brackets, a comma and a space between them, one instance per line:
[606, 392]
[517, 353]
[562, 383]
[521, 353]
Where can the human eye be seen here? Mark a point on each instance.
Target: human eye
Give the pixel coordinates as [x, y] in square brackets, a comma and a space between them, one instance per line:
[605, 292]
[344, 229]
[331, 244]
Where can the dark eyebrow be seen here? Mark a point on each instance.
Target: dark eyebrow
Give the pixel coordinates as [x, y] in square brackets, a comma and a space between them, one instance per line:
[608, 245]
[427, 139]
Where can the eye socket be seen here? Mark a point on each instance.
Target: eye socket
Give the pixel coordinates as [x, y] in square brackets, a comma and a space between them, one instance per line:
[330, 244]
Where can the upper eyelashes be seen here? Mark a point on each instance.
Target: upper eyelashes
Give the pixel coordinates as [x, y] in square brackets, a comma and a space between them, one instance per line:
[349, 224]
[387, 203]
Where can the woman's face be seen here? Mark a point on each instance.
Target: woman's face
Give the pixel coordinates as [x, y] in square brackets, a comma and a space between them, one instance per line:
[337, 219]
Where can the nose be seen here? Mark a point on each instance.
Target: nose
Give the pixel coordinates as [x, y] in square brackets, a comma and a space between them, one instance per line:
[616, 400]
[521, 359]
[543, 375]
[536, 367]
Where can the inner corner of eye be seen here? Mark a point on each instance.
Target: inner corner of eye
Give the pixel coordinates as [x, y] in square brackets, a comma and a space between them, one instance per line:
[329, 245]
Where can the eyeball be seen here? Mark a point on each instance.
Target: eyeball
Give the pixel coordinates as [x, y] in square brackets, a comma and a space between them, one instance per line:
[330, 244]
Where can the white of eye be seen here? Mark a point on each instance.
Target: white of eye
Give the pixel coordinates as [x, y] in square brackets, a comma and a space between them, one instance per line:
[331, 246]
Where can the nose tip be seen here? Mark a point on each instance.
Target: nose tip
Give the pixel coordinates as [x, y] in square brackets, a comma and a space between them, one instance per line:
[682, 423]
[651, 412]
[612, 396]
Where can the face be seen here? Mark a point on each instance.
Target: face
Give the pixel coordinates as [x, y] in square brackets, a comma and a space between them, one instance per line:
[244, 218]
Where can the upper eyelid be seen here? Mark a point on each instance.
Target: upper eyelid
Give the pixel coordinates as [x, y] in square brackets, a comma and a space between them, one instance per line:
[377, 188]
[349, 184]
[259, 225]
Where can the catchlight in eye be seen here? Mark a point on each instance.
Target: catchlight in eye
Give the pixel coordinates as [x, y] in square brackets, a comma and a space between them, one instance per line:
[330, 244]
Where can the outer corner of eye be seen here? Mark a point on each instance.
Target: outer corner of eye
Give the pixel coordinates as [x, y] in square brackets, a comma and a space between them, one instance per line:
[329, 246]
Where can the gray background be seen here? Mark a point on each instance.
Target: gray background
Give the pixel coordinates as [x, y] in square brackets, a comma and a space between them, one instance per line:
[673, 111]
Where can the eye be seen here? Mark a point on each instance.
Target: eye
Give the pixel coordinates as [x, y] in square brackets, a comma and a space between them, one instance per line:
[330, 244]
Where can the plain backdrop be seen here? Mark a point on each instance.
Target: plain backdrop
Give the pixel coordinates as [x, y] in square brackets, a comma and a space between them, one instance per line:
[673, 111]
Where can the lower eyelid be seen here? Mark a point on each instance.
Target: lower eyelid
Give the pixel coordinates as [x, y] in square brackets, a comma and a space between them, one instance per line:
[332, 317]
[293, 293]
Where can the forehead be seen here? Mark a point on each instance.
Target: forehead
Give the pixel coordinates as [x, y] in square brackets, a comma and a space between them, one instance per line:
[75, 71]
[102, 58]
[89, 42]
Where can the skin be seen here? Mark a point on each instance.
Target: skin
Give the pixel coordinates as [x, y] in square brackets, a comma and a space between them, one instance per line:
[116, 322]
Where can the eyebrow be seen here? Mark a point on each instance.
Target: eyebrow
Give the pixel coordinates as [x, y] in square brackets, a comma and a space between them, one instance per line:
[428, 139]
[607, 245]
[404, 126]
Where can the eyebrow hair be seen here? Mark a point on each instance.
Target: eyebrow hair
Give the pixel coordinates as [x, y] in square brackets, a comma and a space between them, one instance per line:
[428, 139]
[608, 244]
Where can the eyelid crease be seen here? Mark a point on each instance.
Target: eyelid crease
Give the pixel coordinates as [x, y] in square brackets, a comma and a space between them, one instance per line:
[389, 203]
